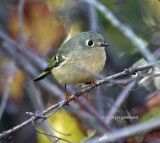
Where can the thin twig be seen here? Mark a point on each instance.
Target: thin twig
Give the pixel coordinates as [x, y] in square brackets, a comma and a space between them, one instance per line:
[20, 20]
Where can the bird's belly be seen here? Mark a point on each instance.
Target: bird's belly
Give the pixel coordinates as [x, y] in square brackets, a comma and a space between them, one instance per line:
[73, 71]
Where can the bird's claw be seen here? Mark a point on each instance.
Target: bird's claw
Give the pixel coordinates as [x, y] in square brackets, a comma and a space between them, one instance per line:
[68, 94]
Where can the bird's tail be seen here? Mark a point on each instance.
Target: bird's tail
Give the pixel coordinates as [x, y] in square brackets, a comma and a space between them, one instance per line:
[42, 75]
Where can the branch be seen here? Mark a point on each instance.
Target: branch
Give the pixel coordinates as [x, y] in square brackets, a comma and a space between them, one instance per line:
[20, 20]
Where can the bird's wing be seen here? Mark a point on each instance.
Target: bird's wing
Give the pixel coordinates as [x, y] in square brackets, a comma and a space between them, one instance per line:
[42, 75]
[62, 55]
[47, 70]
[54, 62]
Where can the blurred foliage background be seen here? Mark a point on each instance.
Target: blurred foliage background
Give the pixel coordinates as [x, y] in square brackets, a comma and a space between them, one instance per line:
[45, 26]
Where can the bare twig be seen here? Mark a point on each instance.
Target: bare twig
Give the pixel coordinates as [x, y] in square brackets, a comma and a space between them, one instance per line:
[20, 20]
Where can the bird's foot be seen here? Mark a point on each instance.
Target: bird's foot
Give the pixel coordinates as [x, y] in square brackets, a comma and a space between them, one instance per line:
[93, 82]
[131, 71]
[68, 94]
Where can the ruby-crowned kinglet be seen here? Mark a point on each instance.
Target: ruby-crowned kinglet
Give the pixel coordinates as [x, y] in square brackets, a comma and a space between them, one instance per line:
[84, 50]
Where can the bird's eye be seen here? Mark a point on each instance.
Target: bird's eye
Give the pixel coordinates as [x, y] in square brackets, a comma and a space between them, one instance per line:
[89, 43]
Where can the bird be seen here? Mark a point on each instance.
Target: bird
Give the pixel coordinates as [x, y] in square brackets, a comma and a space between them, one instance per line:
[85, 50]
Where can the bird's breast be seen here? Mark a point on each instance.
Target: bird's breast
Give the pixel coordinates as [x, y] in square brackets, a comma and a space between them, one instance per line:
[74, 69]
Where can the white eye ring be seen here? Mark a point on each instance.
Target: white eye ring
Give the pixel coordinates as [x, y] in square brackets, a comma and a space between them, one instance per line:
[90, 43]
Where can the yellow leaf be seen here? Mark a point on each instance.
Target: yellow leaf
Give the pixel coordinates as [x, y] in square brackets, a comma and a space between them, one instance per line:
[65, 123]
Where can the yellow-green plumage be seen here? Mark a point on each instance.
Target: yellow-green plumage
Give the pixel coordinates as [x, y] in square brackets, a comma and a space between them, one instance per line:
[76, 54]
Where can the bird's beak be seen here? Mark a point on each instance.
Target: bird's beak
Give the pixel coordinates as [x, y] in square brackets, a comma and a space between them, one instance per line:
[103, 45]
